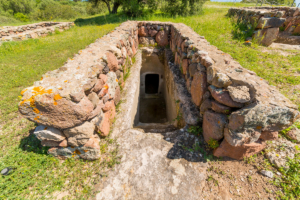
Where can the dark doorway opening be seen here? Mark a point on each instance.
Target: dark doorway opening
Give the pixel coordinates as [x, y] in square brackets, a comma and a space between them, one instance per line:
[151, 83]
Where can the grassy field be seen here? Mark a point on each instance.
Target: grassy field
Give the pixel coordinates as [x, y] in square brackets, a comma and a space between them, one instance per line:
[21, 63]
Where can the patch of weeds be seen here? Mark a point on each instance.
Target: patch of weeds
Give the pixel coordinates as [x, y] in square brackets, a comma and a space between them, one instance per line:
[207, 157]
[196, 130]
[249, 178]
[179, 114]
[186, 148]
[216, 170]
[241, 30]
[290, 179]
[251, 159]
[284, 132]
[211, 178]
[118, 105]
[213, 144]
[181, 69]
[281, 28]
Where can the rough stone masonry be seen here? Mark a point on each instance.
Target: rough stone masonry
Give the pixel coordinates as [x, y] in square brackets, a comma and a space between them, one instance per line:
[18, 33]
[272, 24]
[75, 104]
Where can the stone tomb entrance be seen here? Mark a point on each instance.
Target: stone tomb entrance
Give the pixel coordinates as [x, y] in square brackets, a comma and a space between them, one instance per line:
[153, 96]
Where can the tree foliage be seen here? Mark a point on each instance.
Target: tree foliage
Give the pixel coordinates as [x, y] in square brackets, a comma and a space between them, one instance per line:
[183, 7]
[25, 10]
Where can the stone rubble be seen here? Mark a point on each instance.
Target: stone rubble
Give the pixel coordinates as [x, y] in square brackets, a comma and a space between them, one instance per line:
[279, 151]
[18, 33]
[294, 134]
[268, 21]
[268, 174]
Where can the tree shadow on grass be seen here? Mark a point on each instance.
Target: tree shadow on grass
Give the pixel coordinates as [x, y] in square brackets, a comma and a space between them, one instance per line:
[32, 144]
[117, 18]
[101, 20]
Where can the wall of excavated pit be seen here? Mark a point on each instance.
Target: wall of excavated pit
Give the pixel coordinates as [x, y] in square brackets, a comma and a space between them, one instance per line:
[17, 33]
[75, 105]
[234, 105]
[272, 24]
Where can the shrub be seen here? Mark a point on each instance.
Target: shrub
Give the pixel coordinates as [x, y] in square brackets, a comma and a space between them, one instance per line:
[7, 20]
[133, 8]
[183, 7]
[54, 11]
[21, 17]
[18, 6]
[91, 9]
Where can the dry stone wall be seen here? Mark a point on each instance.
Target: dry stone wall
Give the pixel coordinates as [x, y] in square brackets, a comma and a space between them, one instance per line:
[17, 33]
[273, 24]
[75, 104]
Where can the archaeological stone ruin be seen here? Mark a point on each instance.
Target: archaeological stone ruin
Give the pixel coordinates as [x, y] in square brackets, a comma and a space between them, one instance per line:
[18, 33]
[176, 79]
[272, 24]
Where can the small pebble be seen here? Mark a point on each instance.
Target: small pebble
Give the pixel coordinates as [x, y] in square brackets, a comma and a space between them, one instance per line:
[278, 173]
[267, 173]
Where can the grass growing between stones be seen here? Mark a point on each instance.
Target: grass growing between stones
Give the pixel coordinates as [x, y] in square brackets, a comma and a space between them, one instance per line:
[36, 174]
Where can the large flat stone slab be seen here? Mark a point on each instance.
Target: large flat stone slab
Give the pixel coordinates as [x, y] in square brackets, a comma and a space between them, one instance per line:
[145, 171]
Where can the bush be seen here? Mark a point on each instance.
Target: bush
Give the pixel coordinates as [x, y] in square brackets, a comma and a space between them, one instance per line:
[21, 17]
[91, 9]
[133, 8]
[7, 20]
[18, 6]
[54, 11]
[183, 7]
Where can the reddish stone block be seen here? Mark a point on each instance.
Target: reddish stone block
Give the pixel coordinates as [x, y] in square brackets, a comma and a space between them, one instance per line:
[269, 135]
[213, 125]
[112, 61]
[199, 87]
[143, 32]
[185, 65]
[239, 152]
[162, 38]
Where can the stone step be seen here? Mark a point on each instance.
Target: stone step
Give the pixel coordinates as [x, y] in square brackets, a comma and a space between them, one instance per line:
[155, 127]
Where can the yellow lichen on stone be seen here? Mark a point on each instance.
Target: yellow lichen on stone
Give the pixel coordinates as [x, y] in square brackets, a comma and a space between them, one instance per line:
[36, 111]
[57, 97]
[23, 91]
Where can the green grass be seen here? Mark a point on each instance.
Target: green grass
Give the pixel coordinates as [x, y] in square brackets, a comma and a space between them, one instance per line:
[290, 180]
[36, 173]
[21, 63]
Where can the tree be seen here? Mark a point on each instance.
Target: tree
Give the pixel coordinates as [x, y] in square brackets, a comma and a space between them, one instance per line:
[17, 6]
[116, 4]
[183, 7]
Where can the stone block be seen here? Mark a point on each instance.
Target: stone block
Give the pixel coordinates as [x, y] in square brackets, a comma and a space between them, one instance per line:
[79, 135]
[162, 38]
[269, 22]
[266, 36]
[198, 87]
[223, 97]
[49, 133]
[213, 125]
[239, 152]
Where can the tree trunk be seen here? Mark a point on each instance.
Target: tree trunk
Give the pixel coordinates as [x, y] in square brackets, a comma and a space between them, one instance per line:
[115, 8]
[108, 6]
